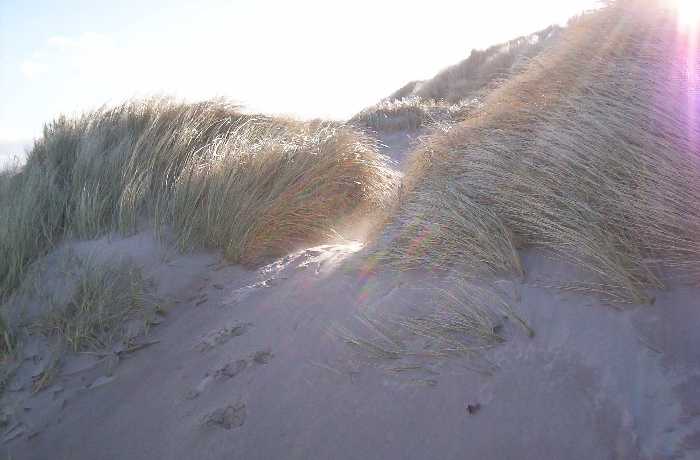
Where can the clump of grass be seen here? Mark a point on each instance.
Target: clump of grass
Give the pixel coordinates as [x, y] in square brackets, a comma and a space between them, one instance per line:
[105, 298]
[7, 340]
[455, 226]
[468, 318]
[248, 184]
[44, 379]
[590, 154]
[378, 342]
[8, 354]
[9, 350]
[261, 194]
[463, 319]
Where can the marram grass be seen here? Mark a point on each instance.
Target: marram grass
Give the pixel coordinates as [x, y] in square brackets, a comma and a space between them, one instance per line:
[252, 186]
[591, 154]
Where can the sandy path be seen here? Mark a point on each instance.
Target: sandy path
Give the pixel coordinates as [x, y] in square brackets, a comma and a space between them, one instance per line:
[246, 367]
[397, 145]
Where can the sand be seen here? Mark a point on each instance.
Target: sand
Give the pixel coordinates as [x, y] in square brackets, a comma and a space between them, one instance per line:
[246, 364]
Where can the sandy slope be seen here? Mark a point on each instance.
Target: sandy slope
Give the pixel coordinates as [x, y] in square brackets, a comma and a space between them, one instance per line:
[246, 366]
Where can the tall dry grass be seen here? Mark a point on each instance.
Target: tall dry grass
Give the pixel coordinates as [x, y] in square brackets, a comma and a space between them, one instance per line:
[251, 185]
[592, 154]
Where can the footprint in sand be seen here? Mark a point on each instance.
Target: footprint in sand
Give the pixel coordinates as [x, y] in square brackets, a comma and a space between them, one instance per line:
[199, 389]
[221, 336]
[231, 370]
[227, 372]
[228, 418]
[262, 357]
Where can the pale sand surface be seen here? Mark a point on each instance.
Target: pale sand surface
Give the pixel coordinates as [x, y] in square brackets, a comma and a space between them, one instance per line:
[593, 382]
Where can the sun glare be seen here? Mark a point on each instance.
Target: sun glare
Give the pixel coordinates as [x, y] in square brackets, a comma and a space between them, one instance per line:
[688, 13]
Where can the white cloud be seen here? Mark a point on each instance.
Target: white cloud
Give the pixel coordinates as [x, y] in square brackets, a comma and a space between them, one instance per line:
[86, 42]
[59, 41]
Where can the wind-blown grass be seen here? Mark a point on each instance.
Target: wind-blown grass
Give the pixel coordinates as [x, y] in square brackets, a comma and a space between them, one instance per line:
[251, 185]
[463, 319]
[591, 154]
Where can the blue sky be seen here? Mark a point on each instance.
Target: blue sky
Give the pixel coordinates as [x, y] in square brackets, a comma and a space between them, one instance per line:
[305, 58]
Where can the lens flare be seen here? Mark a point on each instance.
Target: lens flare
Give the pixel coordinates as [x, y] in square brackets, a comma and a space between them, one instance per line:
[688, 14]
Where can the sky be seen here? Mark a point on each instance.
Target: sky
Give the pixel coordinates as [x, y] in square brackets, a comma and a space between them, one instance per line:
[302, 58]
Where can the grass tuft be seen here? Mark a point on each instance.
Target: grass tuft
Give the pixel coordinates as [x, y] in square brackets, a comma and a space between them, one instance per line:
[8, 341]
[463, 319]
[104, 299]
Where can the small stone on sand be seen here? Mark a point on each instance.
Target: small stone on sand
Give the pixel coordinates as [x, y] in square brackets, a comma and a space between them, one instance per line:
[473, 408]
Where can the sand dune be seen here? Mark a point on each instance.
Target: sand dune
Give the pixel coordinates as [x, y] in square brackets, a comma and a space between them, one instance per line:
[515, 280]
